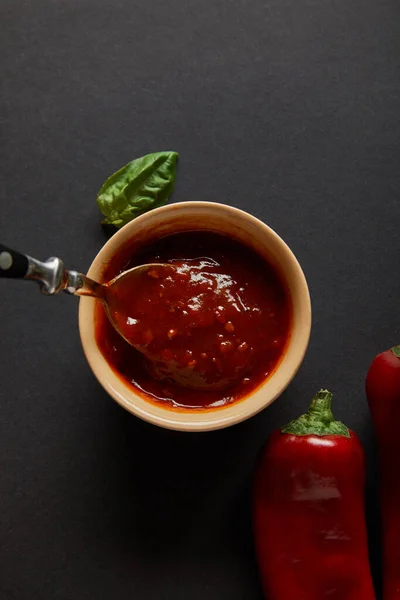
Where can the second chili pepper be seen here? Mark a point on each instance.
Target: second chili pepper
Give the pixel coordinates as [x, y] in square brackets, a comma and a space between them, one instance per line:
[308, 510]
[383, 394]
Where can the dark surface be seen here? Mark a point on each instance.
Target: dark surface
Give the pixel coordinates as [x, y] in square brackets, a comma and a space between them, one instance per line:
[288, 109]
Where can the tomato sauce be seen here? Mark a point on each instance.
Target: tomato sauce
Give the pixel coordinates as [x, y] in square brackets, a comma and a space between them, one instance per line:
[210, 329]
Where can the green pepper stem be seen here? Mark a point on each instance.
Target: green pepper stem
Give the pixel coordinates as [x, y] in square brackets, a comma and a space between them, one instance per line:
[396, 351]
[318, 420]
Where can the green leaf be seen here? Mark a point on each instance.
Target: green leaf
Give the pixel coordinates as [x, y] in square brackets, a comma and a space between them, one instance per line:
[141, 185]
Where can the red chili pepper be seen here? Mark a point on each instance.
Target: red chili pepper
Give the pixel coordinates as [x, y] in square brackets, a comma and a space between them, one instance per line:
[383, 394]
[308, 510]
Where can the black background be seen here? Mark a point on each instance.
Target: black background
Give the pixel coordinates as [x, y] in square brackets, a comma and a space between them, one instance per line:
[288, 109]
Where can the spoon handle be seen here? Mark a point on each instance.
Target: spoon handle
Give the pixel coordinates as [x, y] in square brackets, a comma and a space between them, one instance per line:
[13, 264]
[51, 274]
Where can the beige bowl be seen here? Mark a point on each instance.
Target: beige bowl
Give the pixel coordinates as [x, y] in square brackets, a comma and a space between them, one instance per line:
[245, 228]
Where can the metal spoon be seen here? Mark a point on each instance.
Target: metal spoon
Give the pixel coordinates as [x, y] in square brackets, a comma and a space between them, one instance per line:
[53, 277]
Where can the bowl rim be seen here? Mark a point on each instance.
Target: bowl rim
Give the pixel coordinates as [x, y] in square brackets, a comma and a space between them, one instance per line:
[194, 419]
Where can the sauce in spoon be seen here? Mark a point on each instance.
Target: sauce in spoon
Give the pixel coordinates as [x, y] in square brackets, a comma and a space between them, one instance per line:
[192, 322]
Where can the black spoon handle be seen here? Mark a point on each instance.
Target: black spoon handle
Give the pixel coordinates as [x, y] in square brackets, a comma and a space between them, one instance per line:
[50, 274]
[12, 263]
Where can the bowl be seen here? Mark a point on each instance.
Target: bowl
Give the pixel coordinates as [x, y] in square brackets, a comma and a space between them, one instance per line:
[245, 228]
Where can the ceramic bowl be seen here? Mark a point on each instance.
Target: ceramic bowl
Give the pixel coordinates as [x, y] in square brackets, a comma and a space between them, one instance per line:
[245, 228]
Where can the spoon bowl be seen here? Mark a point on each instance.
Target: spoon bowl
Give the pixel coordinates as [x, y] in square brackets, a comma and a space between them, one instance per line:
[141, 304]
[117, 295]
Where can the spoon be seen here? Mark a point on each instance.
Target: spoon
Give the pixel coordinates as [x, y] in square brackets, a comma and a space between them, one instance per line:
[164, 311]
[53, 277]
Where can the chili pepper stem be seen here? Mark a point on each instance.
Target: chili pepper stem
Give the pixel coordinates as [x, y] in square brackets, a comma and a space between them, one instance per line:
[318, 420]
[396, 351]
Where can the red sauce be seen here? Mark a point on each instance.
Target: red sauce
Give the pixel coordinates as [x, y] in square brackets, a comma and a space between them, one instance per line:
[212, 329]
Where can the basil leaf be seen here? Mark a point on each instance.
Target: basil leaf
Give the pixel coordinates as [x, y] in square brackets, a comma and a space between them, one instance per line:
[141, 185]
